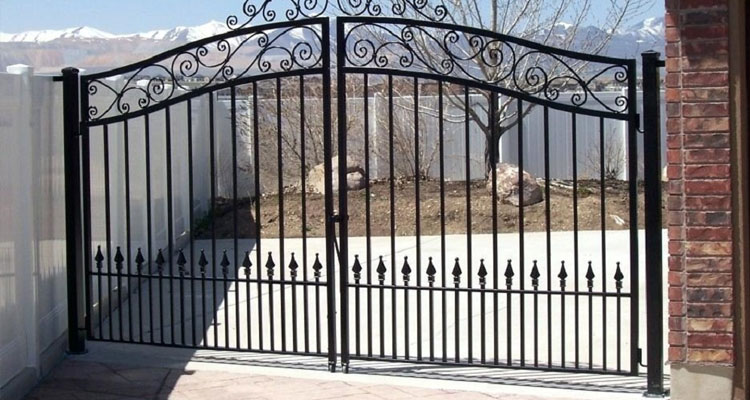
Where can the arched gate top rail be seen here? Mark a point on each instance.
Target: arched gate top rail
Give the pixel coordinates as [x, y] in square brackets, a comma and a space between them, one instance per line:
[512, 66]
[370, 42]
[235, 57]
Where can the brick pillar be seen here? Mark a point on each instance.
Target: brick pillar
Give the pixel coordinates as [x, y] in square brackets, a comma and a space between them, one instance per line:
[699, 154]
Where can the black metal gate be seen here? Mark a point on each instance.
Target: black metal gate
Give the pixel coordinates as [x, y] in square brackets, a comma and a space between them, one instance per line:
[207, 184]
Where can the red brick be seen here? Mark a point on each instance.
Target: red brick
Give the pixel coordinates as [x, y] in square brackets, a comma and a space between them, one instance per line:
[675, 187]
[710, 187]
[710, 218]
[675, 263]
[706, 79]
[708, 171]
[708, 295]
[673, 65]
[676, 308]
[674, 156]
[703, 264]
[674, 125]
[672, 50]
[672, 35]
[706, 110]
[672, 95]
[699, 95]
[710, 341]
[676, 339]
[711, 140]
[710, 249]
[676, 233]
[708, 233]
[707, 156]
[715, 5]
[675, 218]
[708, 203]
[711, 62]
[675, 278]
[704, 17]
[673, 80]
[676, 324]
[677, 354]
[717, 31]
[676, 247]
[710, 279]
[706, 125]
[710, 325]
[712, 356]
[710, 310]
[704, 48]
[674, 141]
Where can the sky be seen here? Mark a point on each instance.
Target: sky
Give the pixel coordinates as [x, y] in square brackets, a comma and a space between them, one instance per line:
[130, 16]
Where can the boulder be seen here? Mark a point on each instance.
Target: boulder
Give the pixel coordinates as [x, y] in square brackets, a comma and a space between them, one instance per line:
[355, 176]
[508, 187]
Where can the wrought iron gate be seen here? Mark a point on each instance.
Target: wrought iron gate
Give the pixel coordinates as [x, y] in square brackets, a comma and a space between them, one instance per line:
[184, 156]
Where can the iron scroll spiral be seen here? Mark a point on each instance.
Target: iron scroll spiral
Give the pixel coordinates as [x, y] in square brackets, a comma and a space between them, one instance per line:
[229, 58]
[515, 65]
[297, 9]
[427, 45]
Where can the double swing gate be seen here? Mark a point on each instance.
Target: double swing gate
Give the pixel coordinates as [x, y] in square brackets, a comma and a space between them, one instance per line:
[218, 201]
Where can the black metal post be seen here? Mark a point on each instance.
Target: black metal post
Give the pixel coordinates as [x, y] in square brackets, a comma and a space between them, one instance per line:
[328, 183]
[653, 199]
[73, 216]
[343, 201]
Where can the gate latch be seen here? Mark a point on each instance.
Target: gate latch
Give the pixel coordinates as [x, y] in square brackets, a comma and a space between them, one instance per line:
[337, 219]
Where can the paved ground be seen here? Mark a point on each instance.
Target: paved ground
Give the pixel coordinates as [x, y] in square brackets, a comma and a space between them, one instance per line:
[88, 380]
[119, 371]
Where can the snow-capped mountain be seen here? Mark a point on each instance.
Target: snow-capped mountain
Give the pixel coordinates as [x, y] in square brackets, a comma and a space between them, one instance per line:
[85, 33]
[85, 47]
[80, 33]
[183, 33]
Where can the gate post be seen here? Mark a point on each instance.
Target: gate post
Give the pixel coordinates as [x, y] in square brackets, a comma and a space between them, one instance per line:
[73, 230]
[653, 198]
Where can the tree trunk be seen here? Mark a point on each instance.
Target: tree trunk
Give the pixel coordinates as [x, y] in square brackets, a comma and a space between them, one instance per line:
[492, 151]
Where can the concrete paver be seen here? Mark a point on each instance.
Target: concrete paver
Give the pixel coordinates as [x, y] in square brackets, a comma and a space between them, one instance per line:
[78, 380]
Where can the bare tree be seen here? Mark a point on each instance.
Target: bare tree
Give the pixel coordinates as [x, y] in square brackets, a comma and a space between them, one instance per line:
[415, 153]
[612, 161]
[300, 114]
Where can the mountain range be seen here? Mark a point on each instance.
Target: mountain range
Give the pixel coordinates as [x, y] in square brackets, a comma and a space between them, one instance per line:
[48, 51]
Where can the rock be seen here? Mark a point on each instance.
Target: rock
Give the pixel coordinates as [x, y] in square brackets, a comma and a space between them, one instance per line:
[355, 181]
[507, 186]
[355, 176]
[619, 221]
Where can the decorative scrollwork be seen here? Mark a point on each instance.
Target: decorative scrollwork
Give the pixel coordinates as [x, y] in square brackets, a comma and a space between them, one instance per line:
[297, 9]
[203, 65]
[487, 58]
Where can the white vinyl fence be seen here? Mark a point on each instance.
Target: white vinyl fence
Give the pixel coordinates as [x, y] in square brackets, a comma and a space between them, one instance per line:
[32, 230]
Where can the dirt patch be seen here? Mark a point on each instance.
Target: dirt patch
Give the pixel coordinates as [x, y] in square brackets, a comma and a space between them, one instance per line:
[561, 205]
